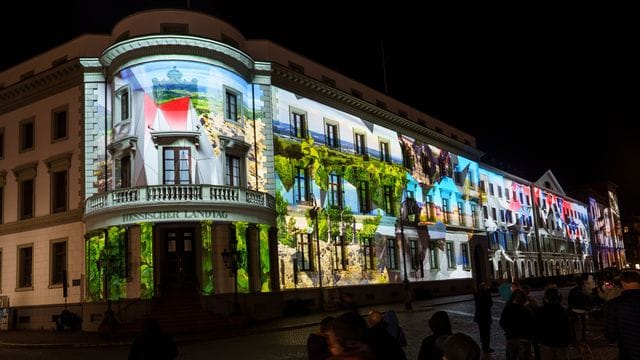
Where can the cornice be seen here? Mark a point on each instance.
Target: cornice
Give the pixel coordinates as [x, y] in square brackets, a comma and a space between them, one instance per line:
[126, 52]
[41, 222]
[39, 86]
[317, 90]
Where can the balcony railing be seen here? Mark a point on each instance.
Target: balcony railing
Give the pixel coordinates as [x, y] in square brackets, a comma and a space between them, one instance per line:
[177, 194]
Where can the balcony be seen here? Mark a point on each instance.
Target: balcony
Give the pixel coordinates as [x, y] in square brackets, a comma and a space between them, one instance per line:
[225, 202]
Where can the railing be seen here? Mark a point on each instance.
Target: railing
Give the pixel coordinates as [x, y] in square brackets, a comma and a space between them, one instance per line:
[178, 194]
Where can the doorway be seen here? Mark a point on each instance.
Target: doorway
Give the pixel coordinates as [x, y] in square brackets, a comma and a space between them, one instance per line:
[180, 259]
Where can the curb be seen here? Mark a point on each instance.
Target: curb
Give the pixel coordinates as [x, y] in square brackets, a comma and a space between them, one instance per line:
[195, 339]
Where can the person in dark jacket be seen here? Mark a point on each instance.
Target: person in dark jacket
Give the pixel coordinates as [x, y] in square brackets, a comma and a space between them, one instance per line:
[622, 316]
[153, 343]
[440, 325]
[317, 343]
[460, 346]
[517, 322]
[553, 327]
[381, 343]
[578, 310]
[482, 315]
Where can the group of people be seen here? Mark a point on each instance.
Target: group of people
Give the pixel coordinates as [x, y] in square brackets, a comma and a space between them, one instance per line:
[349, 336]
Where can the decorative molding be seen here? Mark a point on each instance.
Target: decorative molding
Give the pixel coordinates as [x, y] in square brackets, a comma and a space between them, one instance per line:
[58, 162]
[42, 222]
[123, 53]
[40, 86]
[319, 91]
[168, 137]
[25, 171]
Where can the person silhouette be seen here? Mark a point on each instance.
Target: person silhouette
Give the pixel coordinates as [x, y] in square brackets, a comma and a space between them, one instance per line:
[153, 343]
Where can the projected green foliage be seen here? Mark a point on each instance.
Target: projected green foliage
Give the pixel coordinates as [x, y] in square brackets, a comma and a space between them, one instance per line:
[323, 161]
[207, 261]
[241, 248]
[263, 236]
[94, 246]
[146, 261]
[113, 261]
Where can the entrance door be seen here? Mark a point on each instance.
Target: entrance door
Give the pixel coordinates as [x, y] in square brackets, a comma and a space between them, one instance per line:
[179, 244]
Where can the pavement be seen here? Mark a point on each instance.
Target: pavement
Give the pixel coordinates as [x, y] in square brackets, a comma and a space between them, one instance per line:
[79, 339]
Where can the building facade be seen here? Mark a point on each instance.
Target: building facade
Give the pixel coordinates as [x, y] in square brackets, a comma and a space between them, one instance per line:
[176, 156]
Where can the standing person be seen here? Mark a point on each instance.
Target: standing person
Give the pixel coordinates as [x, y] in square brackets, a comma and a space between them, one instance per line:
[348, 338]
[440, 326]
[153, 343]
[382, 345]
[482, 315]
[622, 316]
[317, 343]
[553, 327]
[460, 346]
[517, 322]
[393, 327]
[578, 310]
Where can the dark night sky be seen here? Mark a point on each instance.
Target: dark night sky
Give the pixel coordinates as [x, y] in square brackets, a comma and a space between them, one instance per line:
[539, 89]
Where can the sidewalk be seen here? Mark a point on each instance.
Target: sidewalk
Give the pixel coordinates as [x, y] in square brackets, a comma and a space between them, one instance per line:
[78, 339]
[50, 339]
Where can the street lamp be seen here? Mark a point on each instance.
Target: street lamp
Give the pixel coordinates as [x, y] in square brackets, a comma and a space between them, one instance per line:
[314, 214]
[230, 260]
[407, 213]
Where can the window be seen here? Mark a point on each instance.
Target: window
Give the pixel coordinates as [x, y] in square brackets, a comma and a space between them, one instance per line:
[522, 200]
[177, 28]
[125, 171]
[368, 253]
[528, 200]
[460, 213]
[451, 255]
[59, 124]
[485, 212]
[464, 251]
[474, 216]
[26, 199]
[391, 254]
[304, 252]
[338, 253]
[360, 144]
[59, 191]
[506, 193]
[387, 200]
[356, 93]
[58, 262]
[445, 211]
[434, 255]
[27, 140]
[298, 125]
[296, 67]
[177, 166]
[483, 186]
[363, 197]
[329, 81]
[232, 171]
[25, 266]
[229, 40]
[502, 217]
[331, 136]
[122, 107]
[384, 151]
[336, 195]
[499, 191]
[231, 106]
[413, 254]
[491, 189]
[1, 143]
[494, 214]
[301, 185]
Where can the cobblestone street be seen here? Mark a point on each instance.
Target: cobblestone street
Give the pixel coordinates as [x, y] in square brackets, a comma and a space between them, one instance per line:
[286, 338]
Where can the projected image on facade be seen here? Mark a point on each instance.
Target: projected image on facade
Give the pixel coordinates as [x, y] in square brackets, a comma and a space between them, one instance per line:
[444, 186]
[209, 110]
[508, 218]
[563, 224]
